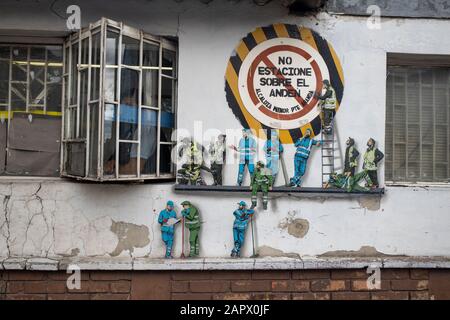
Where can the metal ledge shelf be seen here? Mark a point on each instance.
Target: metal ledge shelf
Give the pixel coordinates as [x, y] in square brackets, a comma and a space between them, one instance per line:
[307, 191]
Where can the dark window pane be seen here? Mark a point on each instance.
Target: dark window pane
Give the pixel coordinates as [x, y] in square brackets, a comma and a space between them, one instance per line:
[37, 53]
[37, 85]
[127, 159]
[149, 124]
[18, 97]
[93, 140]
[167, 94]
[168, 61]
[19, 71]
[150, 88]
[54, 54]
[83, 102]
[129, 83]
[4, 52]
[130, 51]
[167, 125]
[151, 55]
[74, 80]
[165, 165]
[85, 51]
[4, 81]
[96, 49]
[109, 151]
[20, 53]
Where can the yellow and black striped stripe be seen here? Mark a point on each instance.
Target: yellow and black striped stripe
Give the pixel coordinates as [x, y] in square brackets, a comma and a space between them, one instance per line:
[259, 35]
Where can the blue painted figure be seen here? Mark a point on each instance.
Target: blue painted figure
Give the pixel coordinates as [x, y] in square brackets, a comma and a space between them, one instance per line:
[167, 228]
[303, 145]
[273, 149]
[242, 217]
[247, 150]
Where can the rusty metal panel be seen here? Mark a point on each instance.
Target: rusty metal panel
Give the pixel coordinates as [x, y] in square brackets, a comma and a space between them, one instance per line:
[32, 163]
[34, 132]
[3, 130]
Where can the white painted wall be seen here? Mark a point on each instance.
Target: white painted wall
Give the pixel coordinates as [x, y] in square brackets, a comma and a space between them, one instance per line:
[67, 217]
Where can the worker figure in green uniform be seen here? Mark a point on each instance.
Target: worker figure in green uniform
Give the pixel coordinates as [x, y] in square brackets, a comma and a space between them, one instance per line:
[347, 182]
[328, 106]
[192, 222]
[261, 181]
[371, 159]
[351, 158]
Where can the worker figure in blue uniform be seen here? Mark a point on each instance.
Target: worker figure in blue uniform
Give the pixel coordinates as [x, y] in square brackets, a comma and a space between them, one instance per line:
[303, 145]
[167, 229]
[247, 150]
[273, 149]
[242, 216]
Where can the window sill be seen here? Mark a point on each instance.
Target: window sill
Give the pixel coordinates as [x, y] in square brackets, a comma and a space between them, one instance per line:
[5, 179]
[445, 185]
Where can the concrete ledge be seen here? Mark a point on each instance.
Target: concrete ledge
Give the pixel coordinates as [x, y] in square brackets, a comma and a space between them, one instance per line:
[266, 263]
[305, 191]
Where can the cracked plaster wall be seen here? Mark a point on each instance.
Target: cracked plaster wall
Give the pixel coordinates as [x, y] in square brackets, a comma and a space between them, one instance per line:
[67, 218]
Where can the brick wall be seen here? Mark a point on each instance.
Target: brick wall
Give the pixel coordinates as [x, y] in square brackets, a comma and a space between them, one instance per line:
[290, 285]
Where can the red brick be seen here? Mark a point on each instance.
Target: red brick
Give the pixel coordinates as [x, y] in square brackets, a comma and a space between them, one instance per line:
[361, 285]
[68, 296]
[209, 286]
[409, 284]
[84, 288]
[311, 274]
[56, 287]
[26, 275]
[439, 284]
[63, 276]
[290, 285]
[109, 296]
[419, 295]
[311, 296]
[110, 275]
[15, 287]
[250, 285]
[329, 285]
[232, 296]
[191, 275]
[271, 275]
[122, 286]
[191, 296]
[390, 295]
[394, 274]
[153, 285]
[99, 286]
[180, 286]
[21, 296]
[270, 296]
[349, 274]
[35, 287]
[419, 274]
[350, 296]
[232, 275]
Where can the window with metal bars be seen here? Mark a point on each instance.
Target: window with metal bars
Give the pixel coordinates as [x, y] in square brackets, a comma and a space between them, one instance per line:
[417, 119]
[30, 109]
[119, 105]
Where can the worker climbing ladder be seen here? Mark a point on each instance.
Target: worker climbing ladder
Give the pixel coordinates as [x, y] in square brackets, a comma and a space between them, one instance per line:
[332, 161]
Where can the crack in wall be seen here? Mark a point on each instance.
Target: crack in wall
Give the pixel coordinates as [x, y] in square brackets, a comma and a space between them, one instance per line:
[6, 200]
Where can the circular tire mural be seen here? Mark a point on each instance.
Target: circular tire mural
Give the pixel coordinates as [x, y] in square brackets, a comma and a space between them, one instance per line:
[273, 76]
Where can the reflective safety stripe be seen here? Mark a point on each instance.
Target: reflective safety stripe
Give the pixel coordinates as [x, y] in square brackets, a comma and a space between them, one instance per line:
[191, 222]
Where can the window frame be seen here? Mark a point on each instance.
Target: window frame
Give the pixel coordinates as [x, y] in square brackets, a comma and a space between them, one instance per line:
[29, 42]
[103, 26]
[394, 59]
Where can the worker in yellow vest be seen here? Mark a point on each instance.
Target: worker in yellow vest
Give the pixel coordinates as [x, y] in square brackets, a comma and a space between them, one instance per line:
[328, 106]
[371, 159]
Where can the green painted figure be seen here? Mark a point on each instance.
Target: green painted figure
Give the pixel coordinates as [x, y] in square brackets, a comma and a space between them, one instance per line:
[371, 159]
[192, 222]
[261, 181]
[351, 158]
[347, 182]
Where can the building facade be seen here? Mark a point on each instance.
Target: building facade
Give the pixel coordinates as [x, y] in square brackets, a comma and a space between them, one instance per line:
[168, 69]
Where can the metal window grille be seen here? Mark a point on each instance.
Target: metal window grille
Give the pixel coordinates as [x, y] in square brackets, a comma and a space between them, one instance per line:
[418, 124]
[119, 104]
